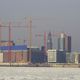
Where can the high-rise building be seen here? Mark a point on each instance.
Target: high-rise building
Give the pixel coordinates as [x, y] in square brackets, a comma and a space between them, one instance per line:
[49, 41]
[64, 43]
[68, 43]
[61, 42]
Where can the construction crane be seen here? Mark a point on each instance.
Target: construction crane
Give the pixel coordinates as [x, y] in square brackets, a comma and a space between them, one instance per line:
[44, 37]
[0, 34]
[30, 38]
[63, 36]
[9, 51]
[30, 34]
[39, 36]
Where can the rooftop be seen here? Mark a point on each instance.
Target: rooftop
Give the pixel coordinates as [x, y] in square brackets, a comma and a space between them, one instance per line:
[15, 47]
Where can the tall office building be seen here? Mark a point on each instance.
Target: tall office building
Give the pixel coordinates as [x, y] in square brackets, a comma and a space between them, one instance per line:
[61, 42]
[64, 43]
[49, 41]
[68, 43]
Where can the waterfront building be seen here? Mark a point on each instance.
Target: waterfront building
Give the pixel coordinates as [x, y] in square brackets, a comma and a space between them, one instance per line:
[52, 55]
[6, 43]
[68, 55]
[69, 44]
[14, 54]
[64, 43]
[61, 56]
[49, 41]
[55, 56]
[61, 42]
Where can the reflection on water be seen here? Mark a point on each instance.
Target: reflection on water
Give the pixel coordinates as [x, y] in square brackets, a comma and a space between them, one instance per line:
[39, 73]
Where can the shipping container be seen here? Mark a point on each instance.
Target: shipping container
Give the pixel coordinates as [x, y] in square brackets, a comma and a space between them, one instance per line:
[13, 57]
[25, 57]
[6, 57]
[1, 57]
[19, 57]
[6, 43]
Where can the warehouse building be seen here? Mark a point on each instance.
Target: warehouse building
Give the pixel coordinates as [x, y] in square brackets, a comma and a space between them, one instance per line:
[16, 53]
[37, 56]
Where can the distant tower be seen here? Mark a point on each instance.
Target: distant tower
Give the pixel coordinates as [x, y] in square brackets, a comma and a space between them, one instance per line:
[64, 43]
[68, 47]
[61, 42]
[49, 41]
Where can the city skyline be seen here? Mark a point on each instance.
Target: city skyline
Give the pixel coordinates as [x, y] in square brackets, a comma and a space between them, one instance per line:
[55, 16]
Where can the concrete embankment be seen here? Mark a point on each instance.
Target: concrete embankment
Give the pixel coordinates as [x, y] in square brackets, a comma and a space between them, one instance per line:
[70, 65]
[60, 65]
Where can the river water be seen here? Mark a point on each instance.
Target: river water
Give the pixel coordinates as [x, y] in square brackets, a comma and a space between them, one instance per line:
[39, 73]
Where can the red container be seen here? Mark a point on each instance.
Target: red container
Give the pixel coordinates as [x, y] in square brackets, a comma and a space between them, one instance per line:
[13, 57]
[5, 57]
[9, 57]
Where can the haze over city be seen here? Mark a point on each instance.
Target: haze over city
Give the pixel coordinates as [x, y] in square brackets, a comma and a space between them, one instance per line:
[47, 15]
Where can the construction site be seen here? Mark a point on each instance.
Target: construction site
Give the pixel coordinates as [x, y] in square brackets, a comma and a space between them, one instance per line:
[17, 51]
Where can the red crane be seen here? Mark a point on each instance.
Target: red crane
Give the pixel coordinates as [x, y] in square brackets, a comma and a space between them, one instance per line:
[9, 51]
[44, 37]
[0, 34]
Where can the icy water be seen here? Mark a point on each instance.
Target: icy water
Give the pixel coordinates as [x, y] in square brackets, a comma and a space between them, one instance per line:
[39, 73]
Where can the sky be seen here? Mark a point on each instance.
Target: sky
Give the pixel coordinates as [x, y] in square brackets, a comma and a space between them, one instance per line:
[47, 15]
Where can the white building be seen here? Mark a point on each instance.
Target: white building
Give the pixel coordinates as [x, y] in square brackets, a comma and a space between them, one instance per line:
[52, 54]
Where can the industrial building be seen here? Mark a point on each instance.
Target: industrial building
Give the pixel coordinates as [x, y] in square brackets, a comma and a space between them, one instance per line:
[12, 53]
[18, 53]
[55, 56]
[37, 55]
[68, 57]
[52, 56]
[61, 57]
[75, 57]
[6, 43]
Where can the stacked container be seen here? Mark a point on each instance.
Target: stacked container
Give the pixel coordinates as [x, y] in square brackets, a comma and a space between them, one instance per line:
[1, 57]
[9, 57]
[5, 57]
[19, 57]
[25, 59]
[6, 43]
[13, 57]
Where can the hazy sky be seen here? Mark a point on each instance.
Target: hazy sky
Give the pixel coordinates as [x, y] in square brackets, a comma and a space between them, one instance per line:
[48, 15]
